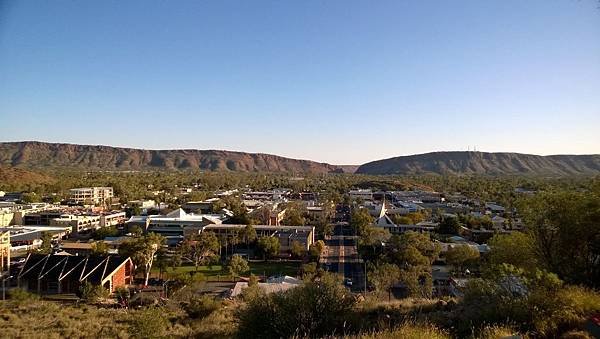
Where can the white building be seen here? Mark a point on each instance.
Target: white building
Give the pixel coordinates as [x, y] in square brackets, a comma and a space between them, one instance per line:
[91, 195]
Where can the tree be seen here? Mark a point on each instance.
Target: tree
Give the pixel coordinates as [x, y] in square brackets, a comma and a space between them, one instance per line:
[46, 247]
[461, 256]
[401, 220]
[316, 249]
[516, 248]
[142, 251]
[104, 232]
[323, 227]
[413, 253]
[237, 265]
[247, 235]
[162, 261]
[309, 271]
[268, 246]
[449, 225]
[360, 219]
[416, 217]
[373, 236]
[31, 197]
[565, 231]
[383, 277]
[175, 260]
[99, 248]
[136, 231]
[536, 301]
[297, 250]
[293, 215]
[200, 248]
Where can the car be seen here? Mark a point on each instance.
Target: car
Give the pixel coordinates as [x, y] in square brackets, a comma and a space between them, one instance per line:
[348, 282]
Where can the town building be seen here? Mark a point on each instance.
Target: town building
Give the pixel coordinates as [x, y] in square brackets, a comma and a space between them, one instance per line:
[172, 225]
[361, 194]
[57, 274]
[91, 195]
[112, 218]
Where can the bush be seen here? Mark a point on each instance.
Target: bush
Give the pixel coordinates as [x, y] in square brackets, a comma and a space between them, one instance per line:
[92, 293]
[148, 323]
[20, 295]
[201, 307]
[316, 309]
[531, 302]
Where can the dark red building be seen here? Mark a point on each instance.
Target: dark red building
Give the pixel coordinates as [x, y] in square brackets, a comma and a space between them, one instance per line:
[55, 274]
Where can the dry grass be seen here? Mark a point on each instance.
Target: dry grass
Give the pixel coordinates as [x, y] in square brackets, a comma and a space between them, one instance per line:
[406, 331]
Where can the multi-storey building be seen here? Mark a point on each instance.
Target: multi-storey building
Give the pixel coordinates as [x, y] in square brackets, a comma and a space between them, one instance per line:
[91, 195]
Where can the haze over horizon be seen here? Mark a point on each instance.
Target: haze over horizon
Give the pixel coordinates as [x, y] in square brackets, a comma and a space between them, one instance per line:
[337, 82]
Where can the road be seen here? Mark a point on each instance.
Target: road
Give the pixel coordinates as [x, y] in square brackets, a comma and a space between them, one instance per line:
[341, 256]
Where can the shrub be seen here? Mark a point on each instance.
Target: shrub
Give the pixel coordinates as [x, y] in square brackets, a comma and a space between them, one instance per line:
[92, 293]
[148, 323]
[20, 295]
[318, 308]
[201, 307]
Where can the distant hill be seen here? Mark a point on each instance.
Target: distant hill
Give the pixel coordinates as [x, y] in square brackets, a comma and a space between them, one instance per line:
[42, 155]
[485, 163]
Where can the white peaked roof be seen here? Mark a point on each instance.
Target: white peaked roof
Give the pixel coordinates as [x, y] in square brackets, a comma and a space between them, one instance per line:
[178, 213]
[383, 209]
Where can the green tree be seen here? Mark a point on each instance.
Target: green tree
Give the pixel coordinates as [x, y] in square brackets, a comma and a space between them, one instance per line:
[30, 197]
[401, 220]
[383, 277]
[136, 231]
[99, 248]
[200, 248]
[141, 251]
[461, 256]
[413, 253]
[237, 265]
[516, 248]
[268, 246]
[316, 249]
[449, 225]
[293, 215]
[297, 250]
[360, 219]
[566, 233]
[46, 247]
[104, 232]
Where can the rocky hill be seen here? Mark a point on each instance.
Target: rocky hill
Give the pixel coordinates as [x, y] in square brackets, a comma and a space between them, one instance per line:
[485, 163]
[42, 155]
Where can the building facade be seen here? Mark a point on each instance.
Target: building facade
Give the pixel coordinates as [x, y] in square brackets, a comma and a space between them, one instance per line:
[91, 195]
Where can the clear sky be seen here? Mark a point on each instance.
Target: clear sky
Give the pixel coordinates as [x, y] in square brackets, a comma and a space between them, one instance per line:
[343, 81]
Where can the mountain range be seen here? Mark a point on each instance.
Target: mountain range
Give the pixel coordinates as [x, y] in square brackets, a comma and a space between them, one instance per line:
[485, 163]
[42, 155]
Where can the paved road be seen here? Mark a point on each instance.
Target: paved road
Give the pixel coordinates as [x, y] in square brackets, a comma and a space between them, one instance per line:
[341, 256]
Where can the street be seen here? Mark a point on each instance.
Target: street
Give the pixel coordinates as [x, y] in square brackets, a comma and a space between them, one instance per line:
[341, 257]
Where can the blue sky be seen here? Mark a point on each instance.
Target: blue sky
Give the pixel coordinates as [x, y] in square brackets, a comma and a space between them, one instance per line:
[343, 82]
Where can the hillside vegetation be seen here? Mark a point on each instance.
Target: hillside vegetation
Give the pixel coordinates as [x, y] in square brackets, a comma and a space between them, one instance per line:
[485, 163]
[23, 177]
